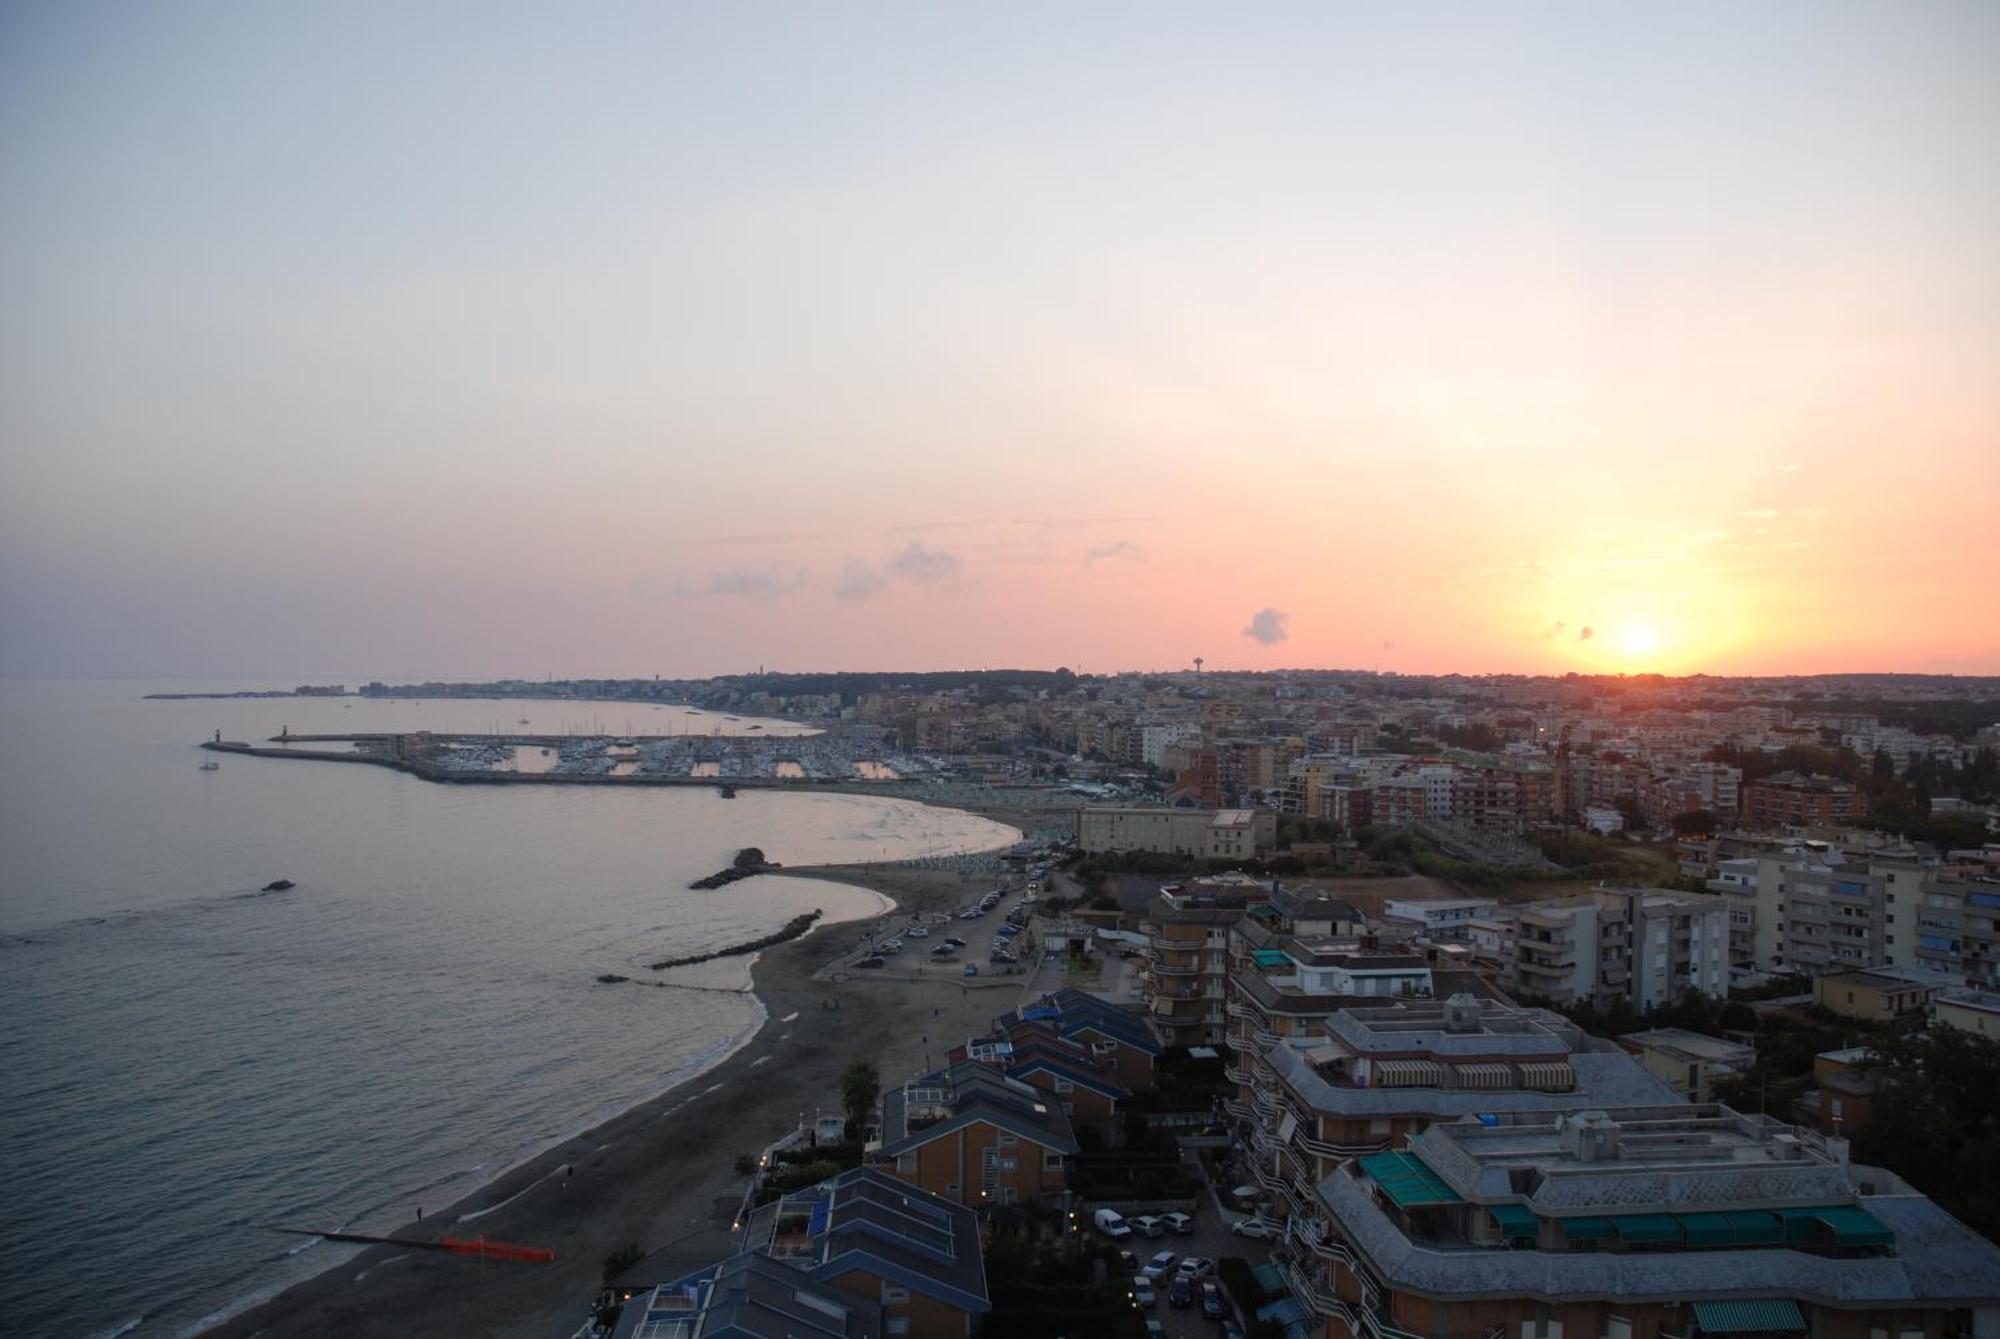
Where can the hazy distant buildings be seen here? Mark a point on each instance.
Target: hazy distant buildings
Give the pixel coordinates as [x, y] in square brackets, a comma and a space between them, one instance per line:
[1225, 834]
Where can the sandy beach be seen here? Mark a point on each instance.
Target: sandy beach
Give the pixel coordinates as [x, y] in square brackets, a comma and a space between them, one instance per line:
[662, 1174]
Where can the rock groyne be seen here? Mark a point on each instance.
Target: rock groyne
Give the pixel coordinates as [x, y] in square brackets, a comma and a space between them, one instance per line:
[794, 927]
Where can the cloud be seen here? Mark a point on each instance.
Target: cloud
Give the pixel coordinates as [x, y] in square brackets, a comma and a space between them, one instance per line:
[926, 567]
[1267, 626]
[857, 581]
[1124, 548]
[1585, 635]
[749, 583]
[1554, 628]
[1759, 513]
[916, 564]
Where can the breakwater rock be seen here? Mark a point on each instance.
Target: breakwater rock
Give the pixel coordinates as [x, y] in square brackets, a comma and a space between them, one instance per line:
[749, 861]
[794, 927]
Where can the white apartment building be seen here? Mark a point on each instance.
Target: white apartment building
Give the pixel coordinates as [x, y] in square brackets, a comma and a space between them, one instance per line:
[1643, 945]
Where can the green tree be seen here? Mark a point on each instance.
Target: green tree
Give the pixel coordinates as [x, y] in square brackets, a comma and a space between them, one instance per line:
[1696, 823]
[1936, 1120]
[860, 1086]
[621, 1259]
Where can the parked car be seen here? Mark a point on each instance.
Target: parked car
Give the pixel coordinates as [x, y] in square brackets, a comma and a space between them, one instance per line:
[1194, 1267]
[1161, 1260]
[954, 941]
[1148, 1226]
[1155, 1330]
[1180, 1293]
[1111, 1223]
[1178, 1223]
[970, 915]
[1143, 1295]
[891, 946]
[1259, 1229]
[1001, 955]
[972, 969]
[1128, 1262]
[942, 950]
[875, 961]
[917, 932]
[1212, 1304]
[1008, 931]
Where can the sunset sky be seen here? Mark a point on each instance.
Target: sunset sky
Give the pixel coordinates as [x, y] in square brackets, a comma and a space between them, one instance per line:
[468, 340]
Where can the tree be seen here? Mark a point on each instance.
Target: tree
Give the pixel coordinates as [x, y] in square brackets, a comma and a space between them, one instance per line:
[860, 1086]
[1695, 823]
[621, 1259]
[1936, 1120]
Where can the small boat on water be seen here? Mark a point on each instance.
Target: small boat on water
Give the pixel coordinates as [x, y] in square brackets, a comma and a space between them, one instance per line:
[279, 885]
[210, 766]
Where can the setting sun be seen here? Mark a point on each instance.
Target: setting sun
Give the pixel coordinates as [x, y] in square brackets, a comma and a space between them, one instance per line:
[1639, 639]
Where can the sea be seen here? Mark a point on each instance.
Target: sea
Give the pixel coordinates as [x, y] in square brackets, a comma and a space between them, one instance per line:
[187, 1061]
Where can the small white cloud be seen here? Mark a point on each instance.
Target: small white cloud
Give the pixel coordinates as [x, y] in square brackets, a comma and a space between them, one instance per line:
[926, 567]
[749, 583]
[1123, 548]
[857, 581]
[1267, 626]
[1759, 513]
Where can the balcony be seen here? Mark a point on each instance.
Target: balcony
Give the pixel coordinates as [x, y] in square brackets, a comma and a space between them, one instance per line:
[1172, 969]
[1534, 968]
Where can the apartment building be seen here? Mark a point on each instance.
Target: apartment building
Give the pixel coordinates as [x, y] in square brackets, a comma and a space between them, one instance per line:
[1639, 1223]
[1958, 927]
[1077, 1078]
[1368, 1077]
[1791, 799]
[1969, 1011]
[1186, 964]
[1438, 918]
[975, 1137]
[1226, 834]
[1642, 945]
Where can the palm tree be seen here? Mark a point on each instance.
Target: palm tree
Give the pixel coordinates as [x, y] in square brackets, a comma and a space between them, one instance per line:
[860, 1085]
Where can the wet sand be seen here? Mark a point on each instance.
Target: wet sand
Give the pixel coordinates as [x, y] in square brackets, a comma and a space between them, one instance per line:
[662, 1174]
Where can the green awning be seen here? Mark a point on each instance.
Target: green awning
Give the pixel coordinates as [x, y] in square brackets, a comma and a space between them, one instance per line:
[1707, 1229]
[1855, 1227]
[1760, 1315]
[1801, 1225]
[1646, 1227]
[1407, 1182]
[1516, 1220]
[1269, 1279]
[1585, 1229]
[1267, 958]
[1754, 1227]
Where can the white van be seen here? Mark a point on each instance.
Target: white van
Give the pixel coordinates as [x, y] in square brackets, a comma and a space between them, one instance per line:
[1111, 1223]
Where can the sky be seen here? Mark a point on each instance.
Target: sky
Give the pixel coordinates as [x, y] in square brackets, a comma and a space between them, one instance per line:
[471, 340]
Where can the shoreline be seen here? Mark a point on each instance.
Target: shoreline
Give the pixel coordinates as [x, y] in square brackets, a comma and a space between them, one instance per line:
[661, 1171]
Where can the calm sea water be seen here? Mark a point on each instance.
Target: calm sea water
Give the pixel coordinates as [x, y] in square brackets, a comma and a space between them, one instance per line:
[184, 1059]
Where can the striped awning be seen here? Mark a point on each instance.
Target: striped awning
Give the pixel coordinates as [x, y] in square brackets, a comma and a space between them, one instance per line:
[1750, 1315]
[1516, 1220]
[1550, 1076]
[1486, 1074]
[1407, 1073]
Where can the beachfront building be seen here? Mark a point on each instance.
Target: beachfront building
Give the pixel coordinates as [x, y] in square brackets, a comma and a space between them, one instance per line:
[1370, 1076]
[859, 1255]
[975, 1137]
[1204, 834]
[1119, 1038]
[1652, 1222]
[1079, 1080]
[1440, 917]
[1689, 1062]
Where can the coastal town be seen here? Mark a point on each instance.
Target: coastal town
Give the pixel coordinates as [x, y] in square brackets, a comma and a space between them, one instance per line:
[1336, 1004]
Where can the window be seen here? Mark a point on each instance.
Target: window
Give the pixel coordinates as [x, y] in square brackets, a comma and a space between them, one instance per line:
[892, 1294]
[1052, 1162]
[1009, 1164]
[1617, 1327]
[1065, 1086]
[906, 1162]
[897, 1325]
[1005, 1140]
